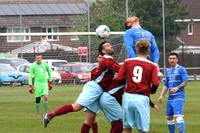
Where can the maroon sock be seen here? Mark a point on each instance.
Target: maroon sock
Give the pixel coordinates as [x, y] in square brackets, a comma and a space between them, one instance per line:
[61, 110]
[85, 128]
[95, 127]
[117, 127]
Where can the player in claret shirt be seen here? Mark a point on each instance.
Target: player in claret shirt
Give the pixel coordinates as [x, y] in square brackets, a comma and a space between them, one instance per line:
[142, 78]
[92, 90]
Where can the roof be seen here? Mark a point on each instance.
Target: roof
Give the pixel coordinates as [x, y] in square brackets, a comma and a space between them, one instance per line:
[39, 1]
[188, 49]
[43, 9]
[194, 8]
[40, 47]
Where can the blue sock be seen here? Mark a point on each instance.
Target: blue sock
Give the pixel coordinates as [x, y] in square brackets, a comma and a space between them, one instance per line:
[181, 126]
[171, 126]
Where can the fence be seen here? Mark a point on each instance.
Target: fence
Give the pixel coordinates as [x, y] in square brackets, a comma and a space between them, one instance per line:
[89, 53]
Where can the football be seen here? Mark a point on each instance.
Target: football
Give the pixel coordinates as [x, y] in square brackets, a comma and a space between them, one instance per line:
[102, 31]
[160, 74]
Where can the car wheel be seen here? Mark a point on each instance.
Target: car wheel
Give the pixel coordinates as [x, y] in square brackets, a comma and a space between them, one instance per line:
[22, 83]
[76, 81]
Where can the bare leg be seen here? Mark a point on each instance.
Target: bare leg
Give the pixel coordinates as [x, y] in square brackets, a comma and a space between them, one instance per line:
[127, 130]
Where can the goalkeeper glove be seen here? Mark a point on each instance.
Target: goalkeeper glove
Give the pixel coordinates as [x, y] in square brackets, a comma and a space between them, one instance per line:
[50, 85]
[31, 89]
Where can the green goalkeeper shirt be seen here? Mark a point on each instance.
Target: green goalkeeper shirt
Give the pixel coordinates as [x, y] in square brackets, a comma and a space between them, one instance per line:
[40, 72]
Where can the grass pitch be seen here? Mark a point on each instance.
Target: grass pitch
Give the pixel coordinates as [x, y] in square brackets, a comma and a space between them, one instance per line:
[17, 111]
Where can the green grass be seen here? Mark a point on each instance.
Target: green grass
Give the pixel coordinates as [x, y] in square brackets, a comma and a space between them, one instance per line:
[17, 111]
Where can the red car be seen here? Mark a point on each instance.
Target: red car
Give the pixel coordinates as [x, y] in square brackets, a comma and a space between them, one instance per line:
[75, 72]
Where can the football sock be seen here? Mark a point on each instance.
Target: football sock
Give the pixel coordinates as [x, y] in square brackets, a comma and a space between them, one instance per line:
[37, 105]
[95, 127]
[85, 128]
[171, 126]
[181, 126]
[45, 103]
[117, 127]
[61, 110]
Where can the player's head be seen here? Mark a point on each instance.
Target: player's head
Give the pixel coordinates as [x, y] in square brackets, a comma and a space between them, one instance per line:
[131, 22]
[106, 48]
[126, 26]
[38, 58]
[173, 59]
[142, 47]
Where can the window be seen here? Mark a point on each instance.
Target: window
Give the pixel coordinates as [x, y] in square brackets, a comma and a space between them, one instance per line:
[27, 69]
[18, 38]
[190, 29]
[50, 30]
[21, 68]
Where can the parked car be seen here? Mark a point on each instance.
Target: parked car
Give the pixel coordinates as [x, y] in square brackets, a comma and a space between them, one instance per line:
[75, 72]
[9, 76]
[14, 62]
[89, 65]
[24, 69]
[93, 65]
[54, 64]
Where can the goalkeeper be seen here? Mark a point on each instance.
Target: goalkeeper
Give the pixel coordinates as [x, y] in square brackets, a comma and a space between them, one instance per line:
[41, 73]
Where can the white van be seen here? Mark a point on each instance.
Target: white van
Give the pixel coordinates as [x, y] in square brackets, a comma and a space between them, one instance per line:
[54, 64]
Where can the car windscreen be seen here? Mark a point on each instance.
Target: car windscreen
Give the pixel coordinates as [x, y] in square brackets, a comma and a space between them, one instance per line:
[80, 69]
[17, 62]
[6, 68]
[64, 68]
[57, 64]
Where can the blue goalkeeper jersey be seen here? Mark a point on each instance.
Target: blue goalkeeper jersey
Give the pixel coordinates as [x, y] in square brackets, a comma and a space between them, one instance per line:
[173, 78]
[132, 35]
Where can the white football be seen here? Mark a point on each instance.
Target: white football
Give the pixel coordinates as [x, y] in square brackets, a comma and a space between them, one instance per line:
[102, 31]
[160, 74]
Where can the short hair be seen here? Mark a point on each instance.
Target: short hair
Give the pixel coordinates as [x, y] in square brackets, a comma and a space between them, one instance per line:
[142, 46]
[173, 53]
[38, 54]
[100, 48]
[132, 19]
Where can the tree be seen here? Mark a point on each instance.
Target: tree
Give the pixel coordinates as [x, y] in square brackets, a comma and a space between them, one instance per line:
[112, 13]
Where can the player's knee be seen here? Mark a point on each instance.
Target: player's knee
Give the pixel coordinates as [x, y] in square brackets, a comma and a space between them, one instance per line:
[170, 122]
[179, 119]
[37, 99]
[169, 118]
[45, 98]
[76, 107]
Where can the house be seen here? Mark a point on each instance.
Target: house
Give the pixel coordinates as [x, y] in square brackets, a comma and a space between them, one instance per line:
[33, 16]
[191, 35]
